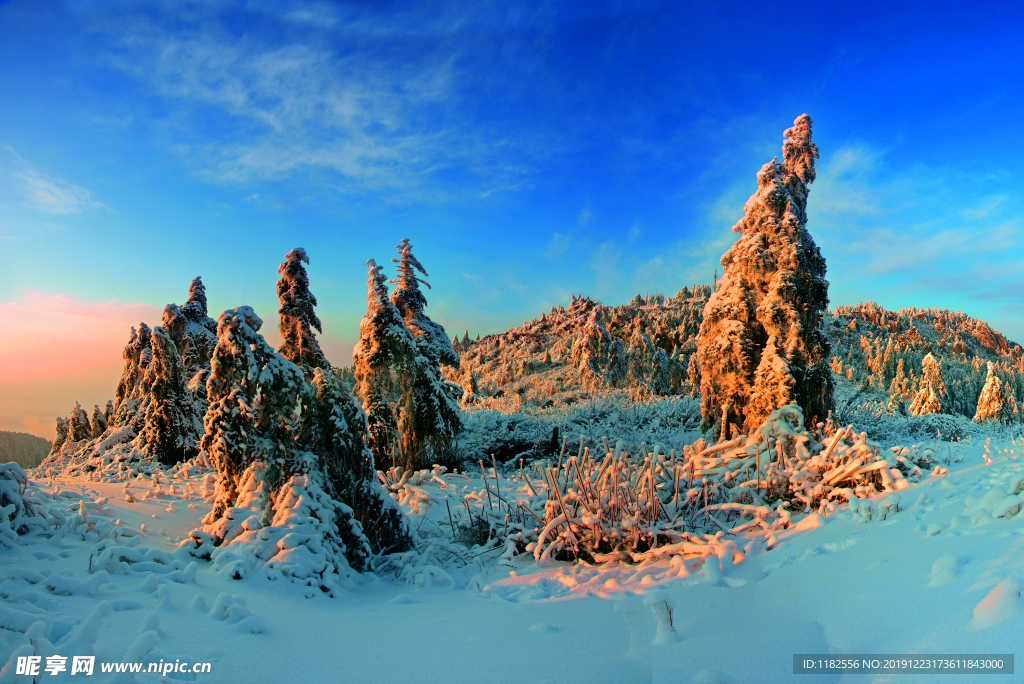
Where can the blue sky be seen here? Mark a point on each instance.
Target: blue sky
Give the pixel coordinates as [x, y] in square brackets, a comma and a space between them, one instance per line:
[529, 151]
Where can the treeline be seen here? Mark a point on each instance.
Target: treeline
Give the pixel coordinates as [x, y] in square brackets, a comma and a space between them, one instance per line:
[887, 351]
[26, 450]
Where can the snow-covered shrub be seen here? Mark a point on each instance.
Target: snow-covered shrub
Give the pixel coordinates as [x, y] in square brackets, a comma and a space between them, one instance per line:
[610, 505]
[18, 514]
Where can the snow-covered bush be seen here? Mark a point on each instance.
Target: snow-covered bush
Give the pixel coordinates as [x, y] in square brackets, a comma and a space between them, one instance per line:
[18, 514]
[541, 432]
[604, 504]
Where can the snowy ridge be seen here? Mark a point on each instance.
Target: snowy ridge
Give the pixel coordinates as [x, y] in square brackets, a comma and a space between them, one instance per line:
[644, 346]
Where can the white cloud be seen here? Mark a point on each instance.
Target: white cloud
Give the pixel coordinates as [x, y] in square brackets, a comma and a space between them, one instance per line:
[349, 92]
[44, 192]
[557, 246]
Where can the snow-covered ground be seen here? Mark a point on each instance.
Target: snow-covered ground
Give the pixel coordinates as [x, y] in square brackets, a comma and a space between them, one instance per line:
[940, 575]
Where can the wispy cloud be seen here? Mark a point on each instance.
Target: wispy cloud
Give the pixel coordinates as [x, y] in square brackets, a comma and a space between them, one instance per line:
[557, 245]
[44, 192]
[315, 88]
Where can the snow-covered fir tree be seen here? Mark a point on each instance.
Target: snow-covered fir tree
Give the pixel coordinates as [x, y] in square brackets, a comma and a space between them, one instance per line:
[297, 317]
[384, 358]
[338, 436]
[428, 417]
[285, 454]
[62, 434]
[995, 403]
[172, 427]
[932, 395]
[193, 332]
[99, 421]
[131, 394]
[78, 427]
[229, 422]
[761, 344]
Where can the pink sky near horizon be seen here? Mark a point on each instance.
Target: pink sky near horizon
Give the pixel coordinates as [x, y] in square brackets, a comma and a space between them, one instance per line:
[57, 348]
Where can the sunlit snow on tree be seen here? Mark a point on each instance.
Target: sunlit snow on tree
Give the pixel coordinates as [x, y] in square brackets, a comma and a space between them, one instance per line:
[761, 344]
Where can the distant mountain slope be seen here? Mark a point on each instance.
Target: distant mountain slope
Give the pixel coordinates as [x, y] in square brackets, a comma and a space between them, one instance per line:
[643, 347]
[646, 348]
[21, 448]
[881, 353]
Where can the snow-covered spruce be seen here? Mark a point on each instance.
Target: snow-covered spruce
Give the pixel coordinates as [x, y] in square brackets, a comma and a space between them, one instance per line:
[761, 344]
[270, 506]
[338, 435]
[611, 506]
[931, 398]
[383, 359]
[172, 422]
[995, 403]
[428, 415]
[297, 317]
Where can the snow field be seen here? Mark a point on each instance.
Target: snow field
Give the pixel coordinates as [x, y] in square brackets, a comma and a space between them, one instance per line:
[933, 568]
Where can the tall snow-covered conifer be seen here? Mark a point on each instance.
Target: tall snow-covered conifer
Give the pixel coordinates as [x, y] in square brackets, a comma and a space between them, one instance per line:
[995, 403]
[932, 396]
[230, 419]
[428, 418]
[79, 427]
[193, 331]
[297, 315]
[761, 344]
[172, 424]
[99, 421]
[337, 435]
[383, 357]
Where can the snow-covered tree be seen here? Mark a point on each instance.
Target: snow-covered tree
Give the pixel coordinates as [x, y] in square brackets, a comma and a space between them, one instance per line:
[932, 395]
[253, 425]
[78, 427]
[383, 359]
[338, 437]
[131, 393]
[193, 332]
[602, 360]
[172, 425]
[62, 434]
[761, 344]
[428, 417]
[99, 421]
[286, 455]
[194, 307]
[431, 337]
[995, 403]
[297, 315]
[231, 417]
